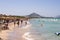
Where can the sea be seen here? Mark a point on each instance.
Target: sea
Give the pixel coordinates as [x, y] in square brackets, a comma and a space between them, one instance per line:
[43, 29]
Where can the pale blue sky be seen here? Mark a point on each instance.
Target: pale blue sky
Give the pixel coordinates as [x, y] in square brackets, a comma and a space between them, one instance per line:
[26, 7]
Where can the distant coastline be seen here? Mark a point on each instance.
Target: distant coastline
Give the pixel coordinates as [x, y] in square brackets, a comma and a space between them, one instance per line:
[35, 15]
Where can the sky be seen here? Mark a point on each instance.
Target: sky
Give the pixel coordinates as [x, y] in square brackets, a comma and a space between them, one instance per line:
[25, 7]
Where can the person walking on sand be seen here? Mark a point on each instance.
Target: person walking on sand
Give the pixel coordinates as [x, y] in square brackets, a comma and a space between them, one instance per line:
[7, 21]
[18, 23]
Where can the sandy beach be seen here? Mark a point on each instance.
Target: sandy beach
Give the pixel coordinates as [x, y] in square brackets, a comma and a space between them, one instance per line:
[14, 32]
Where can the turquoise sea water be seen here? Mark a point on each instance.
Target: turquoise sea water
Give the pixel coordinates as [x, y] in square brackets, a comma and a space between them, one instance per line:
[44, 29]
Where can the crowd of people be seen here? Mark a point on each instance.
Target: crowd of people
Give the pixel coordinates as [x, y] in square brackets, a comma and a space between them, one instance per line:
[17, 21]
[20, 22]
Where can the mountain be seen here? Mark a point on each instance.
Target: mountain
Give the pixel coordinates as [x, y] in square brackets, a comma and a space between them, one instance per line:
[34, 15]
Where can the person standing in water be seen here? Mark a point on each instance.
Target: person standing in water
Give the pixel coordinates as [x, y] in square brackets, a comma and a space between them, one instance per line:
[25, 22]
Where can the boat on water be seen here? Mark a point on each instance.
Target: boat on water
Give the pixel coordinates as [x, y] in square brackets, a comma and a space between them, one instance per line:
[57, 33]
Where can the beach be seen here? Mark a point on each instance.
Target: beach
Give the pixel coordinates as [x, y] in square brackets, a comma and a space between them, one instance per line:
[33, 30]
[14, 32]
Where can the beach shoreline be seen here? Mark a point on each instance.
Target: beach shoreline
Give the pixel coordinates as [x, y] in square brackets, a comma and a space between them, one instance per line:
[14, 31]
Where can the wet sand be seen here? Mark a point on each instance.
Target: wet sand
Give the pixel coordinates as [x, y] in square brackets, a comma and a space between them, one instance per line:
[14, 33]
